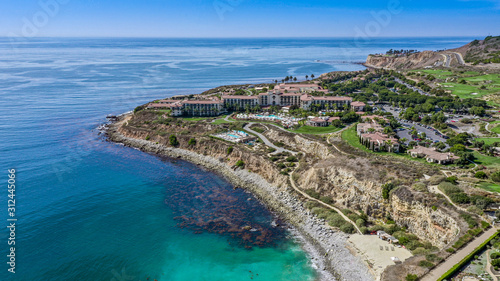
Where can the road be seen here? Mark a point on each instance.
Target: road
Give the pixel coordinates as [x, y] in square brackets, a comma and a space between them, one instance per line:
[429, 132]
[442, 268]
[267, 142]
[420, 91]
[460, 59]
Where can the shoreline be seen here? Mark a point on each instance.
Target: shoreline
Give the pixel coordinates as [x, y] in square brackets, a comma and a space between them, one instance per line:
[329, 251]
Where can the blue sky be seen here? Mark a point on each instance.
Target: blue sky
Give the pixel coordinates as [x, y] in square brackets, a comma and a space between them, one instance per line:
[249, 18]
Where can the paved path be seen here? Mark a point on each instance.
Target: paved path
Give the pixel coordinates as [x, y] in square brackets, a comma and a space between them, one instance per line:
[322, 203]
[435, 189]
[267, 142]
[442, 268]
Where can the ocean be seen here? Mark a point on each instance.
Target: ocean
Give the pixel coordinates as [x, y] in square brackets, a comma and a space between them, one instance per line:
[88, 209]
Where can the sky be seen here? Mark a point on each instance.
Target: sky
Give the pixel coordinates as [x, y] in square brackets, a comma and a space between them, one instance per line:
[249, 18]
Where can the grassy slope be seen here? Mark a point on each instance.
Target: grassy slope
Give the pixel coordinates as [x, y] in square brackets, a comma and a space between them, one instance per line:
[316, 130]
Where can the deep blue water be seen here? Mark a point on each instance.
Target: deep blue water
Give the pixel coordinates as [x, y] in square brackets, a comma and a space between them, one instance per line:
[93, 210]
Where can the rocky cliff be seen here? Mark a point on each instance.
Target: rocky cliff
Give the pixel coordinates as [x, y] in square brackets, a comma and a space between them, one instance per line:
[418, 60]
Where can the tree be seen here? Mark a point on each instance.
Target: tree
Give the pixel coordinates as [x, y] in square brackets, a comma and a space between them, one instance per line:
[240, 164]
[457, 148]
[480, 175]
[312, 76]
[294, 78]
[307, 77]
[173, 140]
[477, 110]
[386, 189]
[229, 150]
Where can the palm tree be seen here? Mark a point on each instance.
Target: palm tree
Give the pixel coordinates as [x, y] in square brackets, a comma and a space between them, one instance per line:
[294, 78]
[312, 76]
[307, 77]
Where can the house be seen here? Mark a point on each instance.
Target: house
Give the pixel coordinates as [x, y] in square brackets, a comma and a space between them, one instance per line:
[331, 119]
[358, 106]
[432, 155]
[364, 128]
[373, 118]
[317, 122]
[379, 142]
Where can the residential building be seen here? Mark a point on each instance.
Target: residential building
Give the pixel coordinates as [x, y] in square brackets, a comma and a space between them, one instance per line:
[364, 128]
[380, 142]
[358, 106]
[317, 122]
[432, 155]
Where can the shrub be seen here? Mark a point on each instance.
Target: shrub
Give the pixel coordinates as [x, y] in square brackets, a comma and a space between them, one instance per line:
[449, 188]
[386, 189]
[495, 176]
[435, 180]
[420, 186]
[484, 224]
[326, 199]
[281, 165]
[411, 277]
[425, 263]
[313, 193]
[494, 256]
[271, 149]
[495, 262]
[469, 219]
[274, 158]
[173, 140]
[192, 141]
[420, 251]
[148, 137]
[360, 222]
[336, 220]
[347, 228]
[460, 198]
[480, 175]
[433, 258]
[291, 159]
[452, 179]
[229, 150]
[240, 164]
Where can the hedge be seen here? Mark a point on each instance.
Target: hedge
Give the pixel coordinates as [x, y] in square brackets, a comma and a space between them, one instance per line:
[467, 258]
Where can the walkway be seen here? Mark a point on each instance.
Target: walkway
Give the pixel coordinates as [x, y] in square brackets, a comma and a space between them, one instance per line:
[488, 266]
[322, 203]
[442, 268]
[267, 142]
[435, 189]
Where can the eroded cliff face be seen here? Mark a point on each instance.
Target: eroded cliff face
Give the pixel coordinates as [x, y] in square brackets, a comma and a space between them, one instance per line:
[416, 214]
[405, 207]
[418, 60]
[353, 182]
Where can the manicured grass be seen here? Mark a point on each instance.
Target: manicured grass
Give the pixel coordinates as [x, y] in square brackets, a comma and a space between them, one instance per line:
[438, 73]
[494, 187]
[316, 130]
[489, 140]
[221, 121]
[488, 161]
[495, 129]
[194, 119]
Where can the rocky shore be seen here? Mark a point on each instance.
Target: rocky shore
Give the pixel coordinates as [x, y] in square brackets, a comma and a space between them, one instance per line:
[328, 249]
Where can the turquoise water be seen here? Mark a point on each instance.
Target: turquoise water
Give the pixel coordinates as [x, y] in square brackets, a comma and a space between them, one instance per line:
[92, 210]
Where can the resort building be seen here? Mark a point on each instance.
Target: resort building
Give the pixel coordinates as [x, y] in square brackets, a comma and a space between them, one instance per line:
[432, 155]
[190, 107]
[240, 102]
[324, 102]
[373, 118]
[202, 107]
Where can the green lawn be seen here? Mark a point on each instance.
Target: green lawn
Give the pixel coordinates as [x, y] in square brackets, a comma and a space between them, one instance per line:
[221, 121]
[488, 161]
[495, 129]
[465, 90]
[489, 140]
[316, 130]
[194, 119]
[489, 186]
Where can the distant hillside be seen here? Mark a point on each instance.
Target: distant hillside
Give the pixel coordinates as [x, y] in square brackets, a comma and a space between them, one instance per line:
[478, 53]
